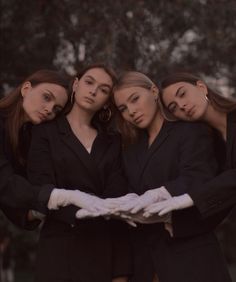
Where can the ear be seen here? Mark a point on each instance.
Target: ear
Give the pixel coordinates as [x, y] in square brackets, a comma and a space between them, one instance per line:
[26, 87]
[200, 84]
[75, 84]
[155, 91]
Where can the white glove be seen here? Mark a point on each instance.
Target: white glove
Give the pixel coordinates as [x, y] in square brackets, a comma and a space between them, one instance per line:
[115, 203]
[83, 214]
[175, 203]
[140, 218]
[145, 200]
[62, 198]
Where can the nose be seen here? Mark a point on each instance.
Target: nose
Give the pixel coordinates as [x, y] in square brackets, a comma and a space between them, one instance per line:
[93, 91]
[182, 106]
[132, 112]
[49, 108]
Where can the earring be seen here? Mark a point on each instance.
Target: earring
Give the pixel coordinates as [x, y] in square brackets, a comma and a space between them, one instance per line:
[207, 99]
[72, 97]
[105, 114]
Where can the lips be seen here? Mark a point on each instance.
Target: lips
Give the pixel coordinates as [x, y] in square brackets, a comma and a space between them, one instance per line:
[90, 100]
[190, 111]
[138, 119]
[42, 116]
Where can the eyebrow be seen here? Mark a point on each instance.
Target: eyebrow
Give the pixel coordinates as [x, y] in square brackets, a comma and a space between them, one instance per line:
[128, 99]
[103, 84]
[177, 92]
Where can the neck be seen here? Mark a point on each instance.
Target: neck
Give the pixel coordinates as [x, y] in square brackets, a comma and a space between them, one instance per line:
[78, 117]
[155, 126]
[216, 119]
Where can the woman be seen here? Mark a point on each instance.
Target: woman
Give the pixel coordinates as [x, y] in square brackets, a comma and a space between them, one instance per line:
[79, 150]
[187, 97]
[174, 156]
[38, 99]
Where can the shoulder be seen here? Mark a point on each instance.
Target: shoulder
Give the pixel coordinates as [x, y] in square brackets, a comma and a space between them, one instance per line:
[191, 127]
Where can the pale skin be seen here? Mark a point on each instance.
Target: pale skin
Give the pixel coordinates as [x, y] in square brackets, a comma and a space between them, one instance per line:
[188, 102]
[138, 106]
[92, 92]
[43, 101]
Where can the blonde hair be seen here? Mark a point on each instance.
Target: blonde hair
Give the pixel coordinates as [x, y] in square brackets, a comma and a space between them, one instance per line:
[128, 79]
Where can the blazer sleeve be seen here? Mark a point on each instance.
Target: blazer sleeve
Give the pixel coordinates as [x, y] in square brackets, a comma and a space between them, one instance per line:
[197, 162]
[15, 190]
[216, 195]
[41, 170]
[197, 166]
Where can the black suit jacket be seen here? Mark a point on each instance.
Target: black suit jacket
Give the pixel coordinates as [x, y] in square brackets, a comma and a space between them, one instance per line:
[58, 157]
[16, 193]
[181, 158]
[220, 193]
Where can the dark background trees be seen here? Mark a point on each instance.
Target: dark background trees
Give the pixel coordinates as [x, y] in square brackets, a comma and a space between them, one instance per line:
[154, 36]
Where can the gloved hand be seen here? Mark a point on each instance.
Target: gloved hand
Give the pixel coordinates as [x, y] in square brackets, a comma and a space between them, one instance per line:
[145, 200]
[83, 214]
[62, 198]
[140, 218]
[164, 207]
[114, 203]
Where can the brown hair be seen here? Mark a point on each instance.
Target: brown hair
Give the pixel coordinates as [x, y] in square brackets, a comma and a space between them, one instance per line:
[128, 79]
[96, 119]
[11, 105]
[219, 102]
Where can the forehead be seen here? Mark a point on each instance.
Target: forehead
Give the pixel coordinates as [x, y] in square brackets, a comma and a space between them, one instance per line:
[123, 94]
[100, 75]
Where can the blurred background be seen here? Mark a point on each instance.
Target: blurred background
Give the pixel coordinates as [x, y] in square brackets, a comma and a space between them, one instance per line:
[152, 36]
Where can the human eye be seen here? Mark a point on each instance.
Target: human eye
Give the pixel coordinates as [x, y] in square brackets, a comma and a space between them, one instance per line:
[47, 97]
[88, 81]
[57, 110]
[181, 93]
[105, 90]
[172, 108]
[134, 99]
[121, 109]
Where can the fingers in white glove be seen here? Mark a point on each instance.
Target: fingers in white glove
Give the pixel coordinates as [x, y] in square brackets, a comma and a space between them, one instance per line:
[174, 203]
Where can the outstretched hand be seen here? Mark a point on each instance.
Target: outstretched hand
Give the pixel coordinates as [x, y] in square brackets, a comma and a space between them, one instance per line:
[164, 207]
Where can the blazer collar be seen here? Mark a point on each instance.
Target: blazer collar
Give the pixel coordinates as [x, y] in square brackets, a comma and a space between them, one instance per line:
[90, 161]
[145, 153]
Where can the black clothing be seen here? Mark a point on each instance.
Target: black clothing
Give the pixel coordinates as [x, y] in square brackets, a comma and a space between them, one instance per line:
[180, 157]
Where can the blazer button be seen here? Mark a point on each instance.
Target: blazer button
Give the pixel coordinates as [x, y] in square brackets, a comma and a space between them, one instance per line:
[72, 225]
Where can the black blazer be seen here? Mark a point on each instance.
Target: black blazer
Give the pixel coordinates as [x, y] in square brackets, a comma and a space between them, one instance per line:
[67, 246]
[15, 190]
[181, 157]
[17, 195]
[220, 193]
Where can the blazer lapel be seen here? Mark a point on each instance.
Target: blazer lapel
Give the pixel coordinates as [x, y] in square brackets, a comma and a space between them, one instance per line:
[155, 146]
[68, 137]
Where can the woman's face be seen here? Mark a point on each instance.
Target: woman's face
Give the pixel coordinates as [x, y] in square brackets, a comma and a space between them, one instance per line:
[137, 105]
[43, 101]
[186, 101]
[92, 90]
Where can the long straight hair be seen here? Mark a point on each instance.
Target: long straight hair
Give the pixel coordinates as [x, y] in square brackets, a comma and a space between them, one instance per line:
[11, 108]
[129, 132]
[218, 102]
